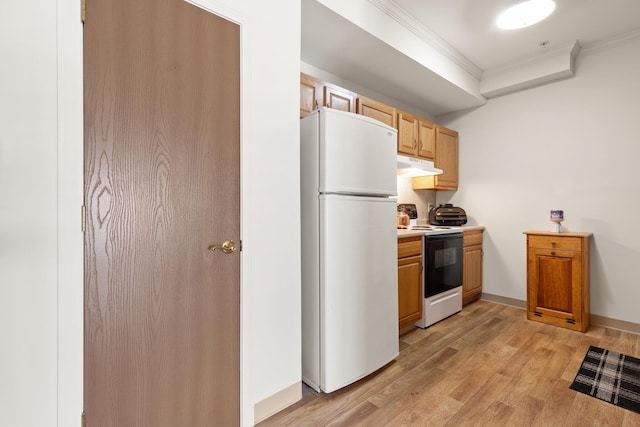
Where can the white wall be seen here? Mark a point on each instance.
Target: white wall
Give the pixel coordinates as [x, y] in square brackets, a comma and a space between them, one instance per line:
[28, 213]
[571, 145]
[273, 173]
[41, 195]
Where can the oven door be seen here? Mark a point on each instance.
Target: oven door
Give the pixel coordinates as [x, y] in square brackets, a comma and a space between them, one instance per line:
[443, 263]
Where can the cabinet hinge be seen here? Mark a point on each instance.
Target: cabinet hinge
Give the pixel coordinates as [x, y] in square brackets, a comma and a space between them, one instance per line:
[84, 218]
[83, 423]
[537, 313]
[240, 245]
[82, 10]
[572, 321]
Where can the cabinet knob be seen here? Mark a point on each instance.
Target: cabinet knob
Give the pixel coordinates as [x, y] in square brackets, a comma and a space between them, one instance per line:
[553, 243]
[415, 143]
[553, 252]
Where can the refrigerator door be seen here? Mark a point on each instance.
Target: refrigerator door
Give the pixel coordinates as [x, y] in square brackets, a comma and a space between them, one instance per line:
[357, 154]
[358, 288]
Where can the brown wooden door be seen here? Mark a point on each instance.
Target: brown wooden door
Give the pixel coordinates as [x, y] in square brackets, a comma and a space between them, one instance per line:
[161, 185]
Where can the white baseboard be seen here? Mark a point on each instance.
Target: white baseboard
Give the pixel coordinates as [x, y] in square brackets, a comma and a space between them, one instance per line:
[277, 402]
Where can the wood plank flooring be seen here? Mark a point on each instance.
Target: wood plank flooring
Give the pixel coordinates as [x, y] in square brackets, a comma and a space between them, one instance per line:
[486, 366]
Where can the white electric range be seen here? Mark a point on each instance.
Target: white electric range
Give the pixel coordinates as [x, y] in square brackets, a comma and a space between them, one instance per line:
[442, 258]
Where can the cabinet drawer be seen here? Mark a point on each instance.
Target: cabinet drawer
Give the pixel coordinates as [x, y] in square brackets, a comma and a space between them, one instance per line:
[409, 246]
[553, 242]
[471, 238]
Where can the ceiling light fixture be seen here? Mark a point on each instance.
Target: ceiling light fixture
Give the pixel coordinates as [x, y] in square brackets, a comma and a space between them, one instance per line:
[525, 14]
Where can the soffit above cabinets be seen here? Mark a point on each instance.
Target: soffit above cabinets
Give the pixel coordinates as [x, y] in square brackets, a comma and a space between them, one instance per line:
[448, 56]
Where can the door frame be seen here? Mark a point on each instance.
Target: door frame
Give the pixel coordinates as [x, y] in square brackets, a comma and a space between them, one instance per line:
[70, 304]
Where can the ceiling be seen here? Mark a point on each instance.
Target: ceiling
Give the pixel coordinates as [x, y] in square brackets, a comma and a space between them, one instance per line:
[468, 26]
[461, 30]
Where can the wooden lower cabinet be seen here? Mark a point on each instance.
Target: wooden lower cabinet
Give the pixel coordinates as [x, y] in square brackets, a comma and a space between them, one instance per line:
[472, 265]
[409, 280]
[558, 279]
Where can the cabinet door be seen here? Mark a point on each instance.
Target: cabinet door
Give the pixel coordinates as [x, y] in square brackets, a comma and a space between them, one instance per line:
[409, 290]
[407, 134]
[376, 110]
[555, 279]
[338, 98]
[472, 277]
[426, 139]
[310, 92]
[446, 158]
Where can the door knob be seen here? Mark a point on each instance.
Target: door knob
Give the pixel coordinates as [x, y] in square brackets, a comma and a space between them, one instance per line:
[227, 247]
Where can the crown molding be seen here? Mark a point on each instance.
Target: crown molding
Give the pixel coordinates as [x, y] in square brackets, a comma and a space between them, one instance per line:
[403, 18]
[535, 70]
[570, 48]
[610, 42]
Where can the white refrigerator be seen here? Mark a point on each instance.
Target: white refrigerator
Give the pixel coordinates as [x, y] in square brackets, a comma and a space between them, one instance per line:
[349, 248]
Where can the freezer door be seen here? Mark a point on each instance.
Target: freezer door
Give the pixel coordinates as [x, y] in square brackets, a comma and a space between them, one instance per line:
[357, 154]
[358, 288]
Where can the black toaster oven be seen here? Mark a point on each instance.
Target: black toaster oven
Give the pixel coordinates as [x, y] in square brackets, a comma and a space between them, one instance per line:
[447, 214]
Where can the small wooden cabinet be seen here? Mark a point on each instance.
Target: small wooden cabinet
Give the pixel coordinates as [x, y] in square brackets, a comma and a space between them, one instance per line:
[409, 280]
[558, 278]
[376, 110]
[446, 158]
[472, 265]
[416, 137]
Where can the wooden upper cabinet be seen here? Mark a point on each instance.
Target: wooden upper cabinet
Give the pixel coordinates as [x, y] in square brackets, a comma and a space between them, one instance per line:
[310, 94]
[407, 134]
[338, 98]
[446, 158]
[426, 139]
[376, 110]
[416, 137]
[315, 93]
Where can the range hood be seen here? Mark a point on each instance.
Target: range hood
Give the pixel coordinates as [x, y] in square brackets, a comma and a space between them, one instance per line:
[410, 166]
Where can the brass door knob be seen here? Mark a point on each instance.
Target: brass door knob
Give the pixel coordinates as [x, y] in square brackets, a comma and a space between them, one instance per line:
[227, 247]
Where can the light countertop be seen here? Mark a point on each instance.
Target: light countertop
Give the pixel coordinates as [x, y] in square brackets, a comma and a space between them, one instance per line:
[412, 233]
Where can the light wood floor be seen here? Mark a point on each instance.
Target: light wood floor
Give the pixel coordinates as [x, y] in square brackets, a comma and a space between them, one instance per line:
[486, 366]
